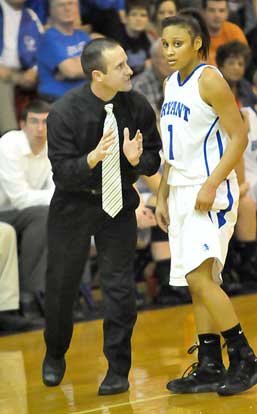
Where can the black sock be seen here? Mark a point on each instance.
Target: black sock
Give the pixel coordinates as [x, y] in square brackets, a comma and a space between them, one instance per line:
[209, 345]
[162, 272]
[236, 341]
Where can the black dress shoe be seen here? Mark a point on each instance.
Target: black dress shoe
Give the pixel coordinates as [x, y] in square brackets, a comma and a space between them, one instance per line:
[113, 384]
[53, 370]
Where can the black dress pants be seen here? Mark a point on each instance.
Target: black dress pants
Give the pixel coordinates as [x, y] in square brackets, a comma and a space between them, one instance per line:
[71, 224]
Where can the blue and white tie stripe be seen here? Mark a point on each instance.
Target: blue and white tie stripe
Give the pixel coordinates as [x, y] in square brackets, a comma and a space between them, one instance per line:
[112, 201]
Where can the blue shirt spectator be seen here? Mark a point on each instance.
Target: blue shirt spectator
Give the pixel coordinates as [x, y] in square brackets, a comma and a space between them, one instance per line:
[54, 48]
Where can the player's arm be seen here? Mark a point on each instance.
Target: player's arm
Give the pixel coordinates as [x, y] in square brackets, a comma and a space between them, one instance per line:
[215, 91]
[161, 212]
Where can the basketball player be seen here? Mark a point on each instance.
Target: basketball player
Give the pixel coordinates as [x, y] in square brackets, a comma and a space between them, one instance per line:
[203, 138]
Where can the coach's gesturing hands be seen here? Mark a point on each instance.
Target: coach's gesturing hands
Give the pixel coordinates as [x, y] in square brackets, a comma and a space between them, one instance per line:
[133, 148]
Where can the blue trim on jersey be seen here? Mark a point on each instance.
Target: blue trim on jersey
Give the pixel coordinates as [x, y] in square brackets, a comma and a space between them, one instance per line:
[220, 145]
[221, 213]
[205, 145]
[189, 76]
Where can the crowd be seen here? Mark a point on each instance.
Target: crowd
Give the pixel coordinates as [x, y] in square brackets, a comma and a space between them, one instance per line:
[40, 48]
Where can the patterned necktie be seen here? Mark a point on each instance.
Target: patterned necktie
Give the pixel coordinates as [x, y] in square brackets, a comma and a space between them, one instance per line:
[111, 178]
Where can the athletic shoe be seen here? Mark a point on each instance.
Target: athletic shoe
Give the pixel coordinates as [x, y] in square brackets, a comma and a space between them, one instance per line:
[241, 374]
[204, 376]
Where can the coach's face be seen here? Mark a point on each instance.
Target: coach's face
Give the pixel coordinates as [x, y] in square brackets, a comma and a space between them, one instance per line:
[118, 73]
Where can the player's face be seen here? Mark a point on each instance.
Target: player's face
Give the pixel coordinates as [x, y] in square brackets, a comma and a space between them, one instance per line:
[233, 68]
[118, 74]
[215, 14]
[179, 49]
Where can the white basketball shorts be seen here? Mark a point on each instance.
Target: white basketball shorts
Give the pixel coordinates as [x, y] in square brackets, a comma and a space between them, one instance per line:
[196, 236]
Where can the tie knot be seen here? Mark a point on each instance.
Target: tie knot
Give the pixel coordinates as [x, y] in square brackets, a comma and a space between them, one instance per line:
[108, 108]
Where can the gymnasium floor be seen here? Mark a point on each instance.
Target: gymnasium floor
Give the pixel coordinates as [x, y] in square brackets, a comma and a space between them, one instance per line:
[161, 339]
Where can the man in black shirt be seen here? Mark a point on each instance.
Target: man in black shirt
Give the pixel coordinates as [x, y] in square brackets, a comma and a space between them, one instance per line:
[77, 147]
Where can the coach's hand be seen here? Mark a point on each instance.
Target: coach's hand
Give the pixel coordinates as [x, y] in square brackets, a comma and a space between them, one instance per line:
[102, 150]
[133, 148]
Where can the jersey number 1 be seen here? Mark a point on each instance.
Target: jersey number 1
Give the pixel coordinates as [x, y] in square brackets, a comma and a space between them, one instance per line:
[170, 129]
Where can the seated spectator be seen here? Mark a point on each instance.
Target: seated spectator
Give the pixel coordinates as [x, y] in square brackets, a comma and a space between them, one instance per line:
[59, 51]
[20, 31]
[231, 60]
[242, 13]
[10, 319]
[252, 40]
[150, 81]
[104, 16]
[163, 9]
[221, 31]
[134, 37]
[26, 188]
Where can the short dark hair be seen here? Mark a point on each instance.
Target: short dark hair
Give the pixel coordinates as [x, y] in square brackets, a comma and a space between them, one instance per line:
[193, 20]
[137, 4]
[232, 49]
[37, 106]
[205, 3]
[92, 55]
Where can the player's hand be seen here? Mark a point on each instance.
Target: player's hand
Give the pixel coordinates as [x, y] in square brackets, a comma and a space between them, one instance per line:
[102, 150]
[133, 148]
[205, 197]
[162, 215]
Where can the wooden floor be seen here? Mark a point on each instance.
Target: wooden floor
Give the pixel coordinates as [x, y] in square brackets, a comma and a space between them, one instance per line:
[160, 342]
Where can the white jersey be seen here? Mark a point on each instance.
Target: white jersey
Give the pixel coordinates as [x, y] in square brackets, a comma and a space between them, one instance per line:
[193, 140]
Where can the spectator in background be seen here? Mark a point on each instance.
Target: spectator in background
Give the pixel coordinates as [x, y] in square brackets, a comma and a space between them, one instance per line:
[134, 37]
[231, 60]
[221, 31]
[26, 188]
[163, 9]
[10, 319]
[104, 16]
[150, 81]
[20, 31]
[59, 52]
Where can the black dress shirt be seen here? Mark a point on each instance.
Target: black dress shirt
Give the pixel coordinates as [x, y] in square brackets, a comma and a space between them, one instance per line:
[75, 127]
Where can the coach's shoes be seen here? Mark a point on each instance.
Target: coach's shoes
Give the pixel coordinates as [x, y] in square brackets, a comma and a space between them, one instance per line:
[204, 376]
[241, 374]
[53, 370]
[113, 384]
